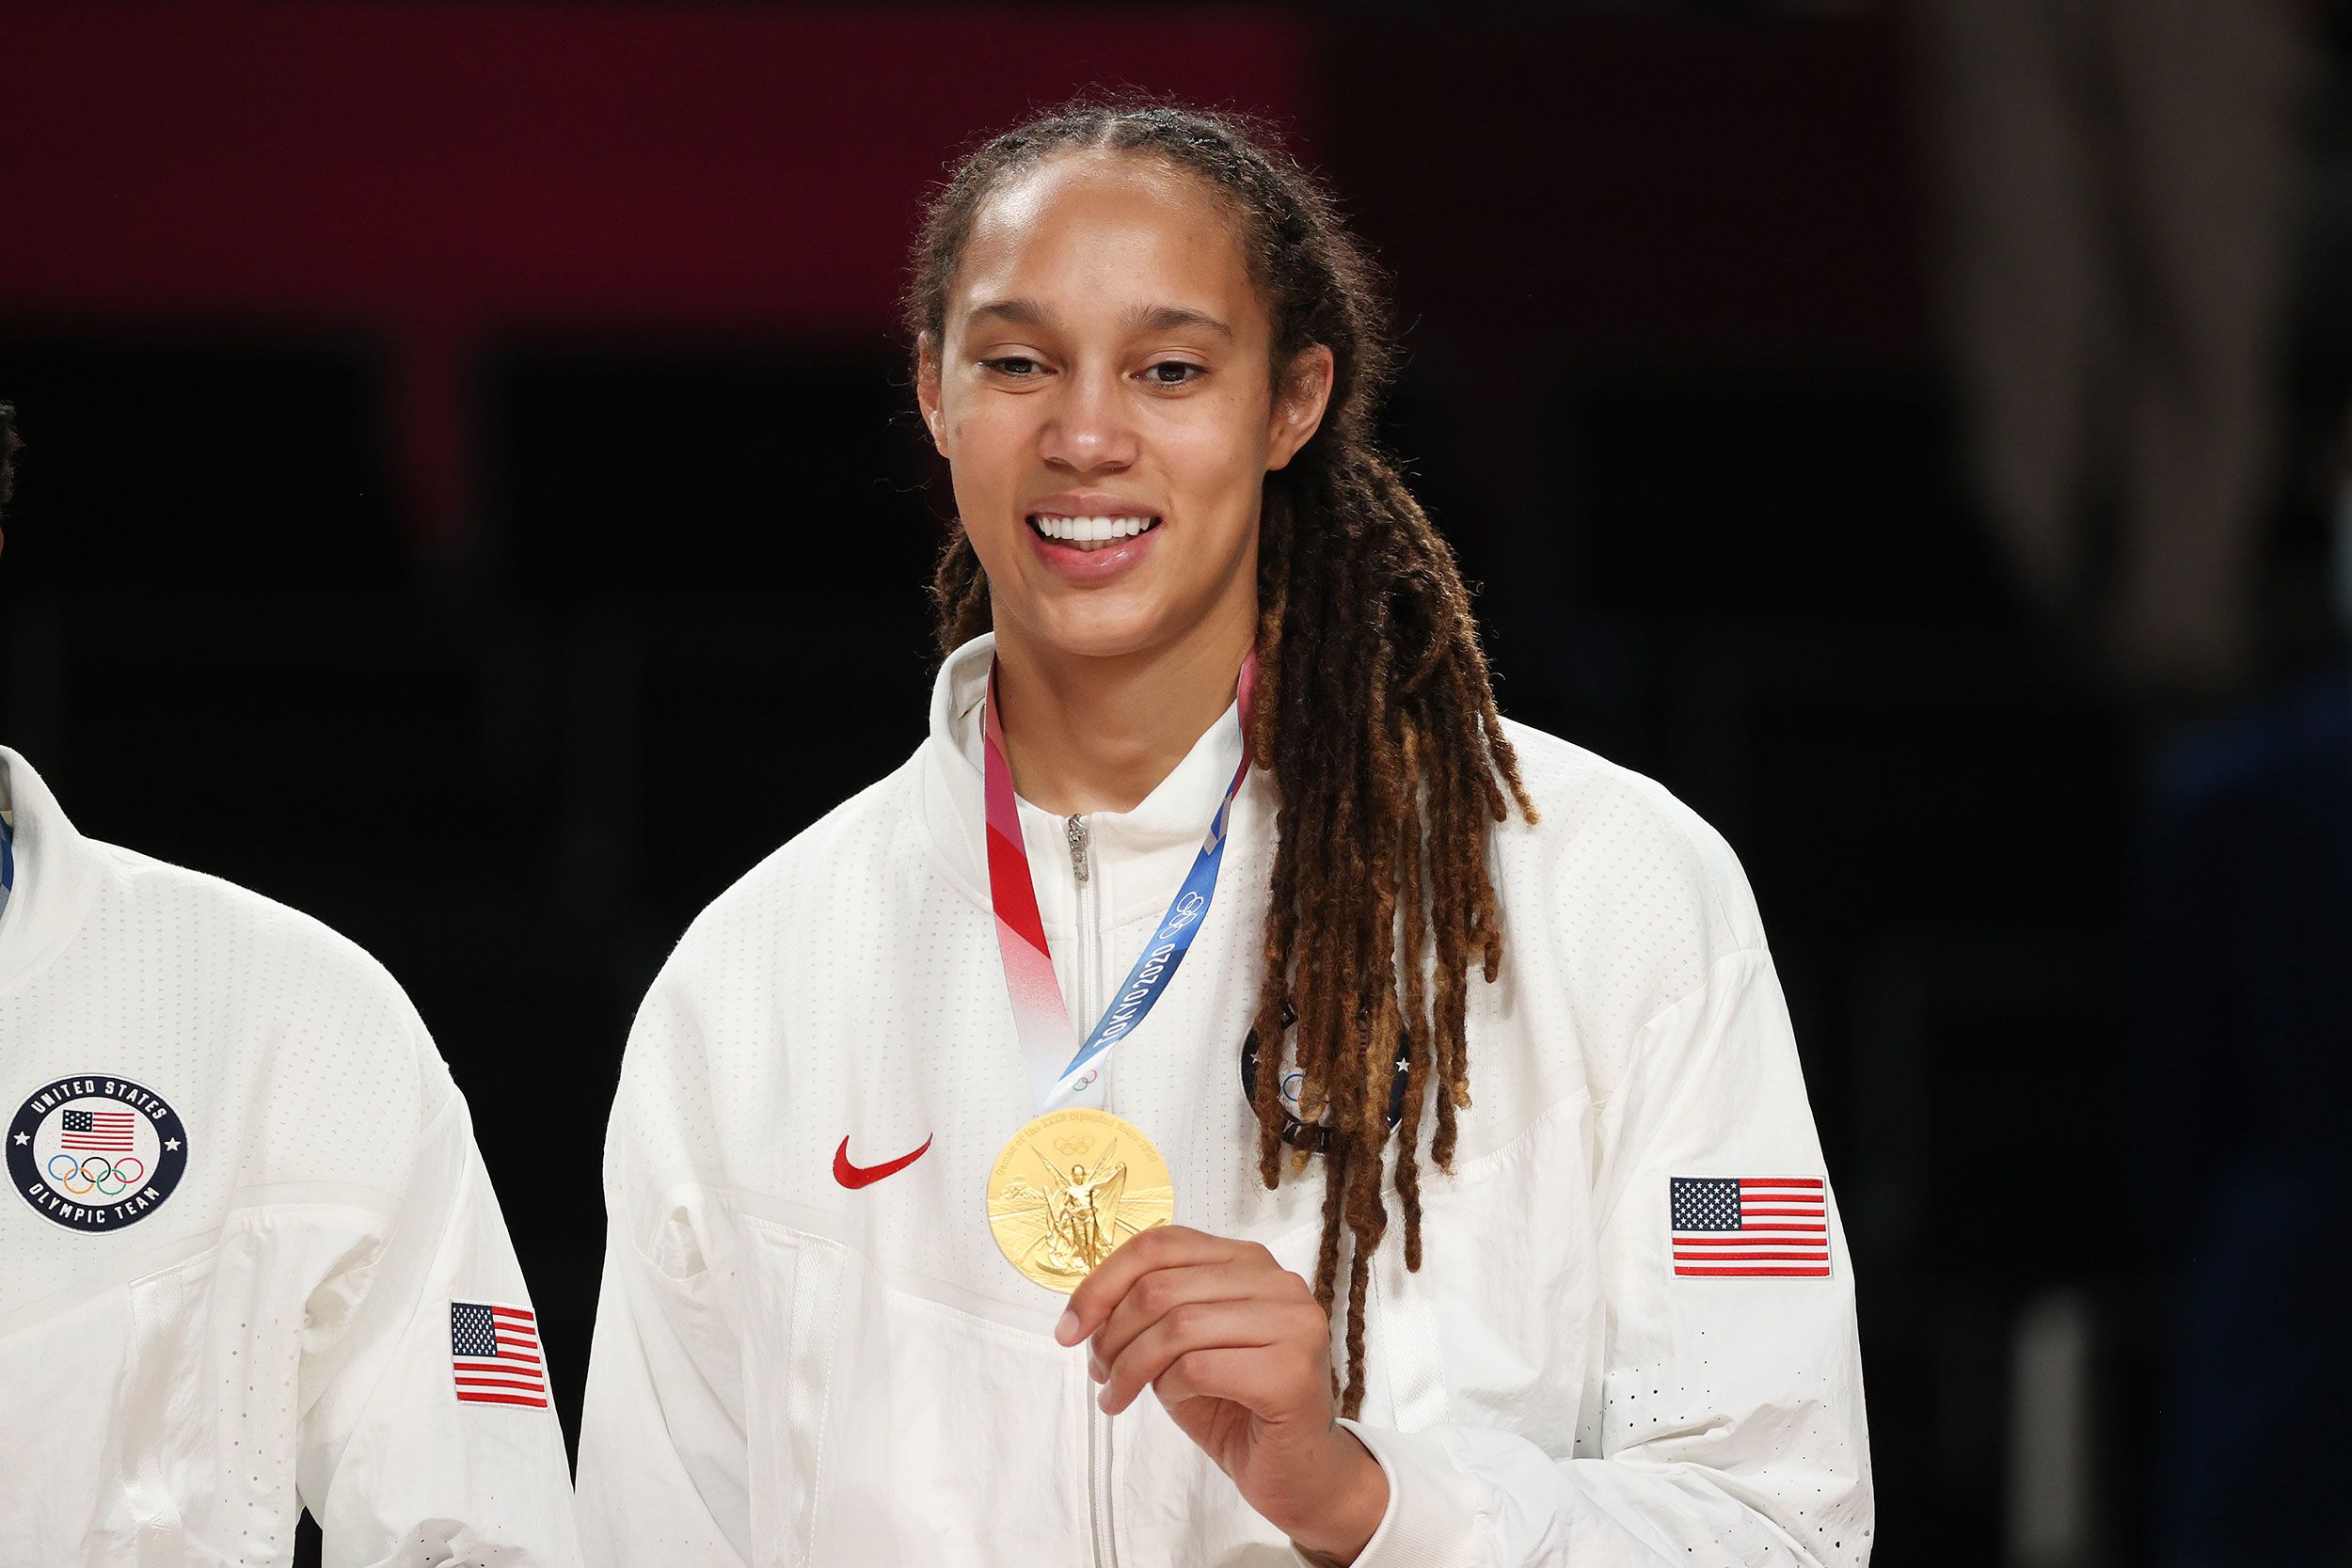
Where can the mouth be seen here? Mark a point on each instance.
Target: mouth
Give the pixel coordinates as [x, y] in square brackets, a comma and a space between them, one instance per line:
[1088, 534]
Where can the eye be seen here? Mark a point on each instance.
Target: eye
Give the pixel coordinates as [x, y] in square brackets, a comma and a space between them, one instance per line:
[1153, 372]
[998, 365]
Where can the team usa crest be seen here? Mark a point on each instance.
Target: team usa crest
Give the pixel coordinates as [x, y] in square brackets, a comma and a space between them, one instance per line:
[96, 1154]
[1314, 1137]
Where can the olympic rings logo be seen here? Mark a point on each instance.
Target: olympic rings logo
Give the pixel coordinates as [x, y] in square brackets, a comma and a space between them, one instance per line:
[125, 1173]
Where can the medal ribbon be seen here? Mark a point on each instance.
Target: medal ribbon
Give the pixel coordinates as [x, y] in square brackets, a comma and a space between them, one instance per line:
[1040, 1013]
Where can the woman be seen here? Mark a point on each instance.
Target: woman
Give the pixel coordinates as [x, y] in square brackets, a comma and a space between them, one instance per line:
[253, 1264]
[1186, 596]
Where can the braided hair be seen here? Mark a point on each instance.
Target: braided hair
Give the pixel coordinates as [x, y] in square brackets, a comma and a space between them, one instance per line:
[1373, 710]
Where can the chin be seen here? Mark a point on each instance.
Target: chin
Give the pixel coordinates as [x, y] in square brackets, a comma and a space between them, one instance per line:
[1108, 631]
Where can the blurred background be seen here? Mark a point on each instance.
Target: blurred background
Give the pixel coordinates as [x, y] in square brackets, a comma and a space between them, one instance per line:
[472, 493]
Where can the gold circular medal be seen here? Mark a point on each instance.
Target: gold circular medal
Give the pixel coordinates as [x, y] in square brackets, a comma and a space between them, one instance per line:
[1069, 1188]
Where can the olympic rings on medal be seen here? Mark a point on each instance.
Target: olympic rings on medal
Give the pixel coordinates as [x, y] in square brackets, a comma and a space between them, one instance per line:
[95, 1181]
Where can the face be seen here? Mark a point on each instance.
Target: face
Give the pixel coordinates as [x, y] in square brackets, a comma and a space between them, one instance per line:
[1105, 356]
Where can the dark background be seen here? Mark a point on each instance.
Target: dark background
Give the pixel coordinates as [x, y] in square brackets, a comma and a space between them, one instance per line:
[472, 494]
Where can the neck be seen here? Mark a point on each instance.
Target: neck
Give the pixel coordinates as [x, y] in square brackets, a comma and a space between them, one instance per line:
[1085, 734]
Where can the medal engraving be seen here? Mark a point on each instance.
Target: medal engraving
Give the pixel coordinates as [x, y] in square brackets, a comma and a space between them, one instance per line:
[1069, 1188]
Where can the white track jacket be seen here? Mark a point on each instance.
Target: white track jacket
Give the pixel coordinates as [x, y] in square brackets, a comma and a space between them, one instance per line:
[247, 1227]
[799, 1361]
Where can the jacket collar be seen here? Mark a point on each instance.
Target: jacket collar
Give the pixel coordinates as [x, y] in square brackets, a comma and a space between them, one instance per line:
[1137, 858]
[57, 873]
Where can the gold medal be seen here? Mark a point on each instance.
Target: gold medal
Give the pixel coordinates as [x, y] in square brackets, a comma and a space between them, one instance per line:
[1069, 1188]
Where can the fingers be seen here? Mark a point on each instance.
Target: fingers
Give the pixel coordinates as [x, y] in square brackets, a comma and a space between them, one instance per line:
[1159, 1292]
[1162, 1246]
[1242, 1326]
[1225, 1373]
[1246, 1326]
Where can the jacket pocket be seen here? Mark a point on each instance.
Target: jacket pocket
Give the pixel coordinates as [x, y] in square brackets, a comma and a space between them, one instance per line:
[171, 1468]
[887, 1426]
[66, 1501]
[1506, 1307]
[111, 1392]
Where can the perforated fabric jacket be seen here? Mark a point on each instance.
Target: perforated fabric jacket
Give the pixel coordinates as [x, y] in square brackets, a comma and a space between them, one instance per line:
[790, 1367]
[247, 1205]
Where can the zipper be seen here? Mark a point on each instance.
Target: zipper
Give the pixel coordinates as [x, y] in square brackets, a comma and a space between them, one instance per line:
[1103, 1544]
[1099, 1482]
[1089, 944]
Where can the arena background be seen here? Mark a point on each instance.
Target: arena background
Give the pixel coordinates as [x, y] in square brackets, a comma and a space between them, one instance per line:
[472, 494]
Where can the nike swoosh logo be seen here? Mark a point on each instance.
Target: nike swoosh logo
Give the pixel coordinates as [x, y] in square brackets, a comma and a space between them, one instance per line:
[854, 1176]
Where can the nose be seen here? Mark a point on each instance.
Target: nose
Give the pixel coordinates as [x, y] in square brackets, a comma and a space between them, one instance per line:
[1088, 426]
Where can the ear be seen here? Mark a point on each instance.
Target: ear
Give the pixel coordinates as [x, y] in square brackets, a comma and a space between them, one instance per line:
[927, 390]
[1299, 404]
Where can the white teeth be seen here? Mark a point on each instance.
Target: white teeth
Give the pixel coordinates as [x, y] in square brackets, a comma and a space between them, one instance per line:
[1090, 533]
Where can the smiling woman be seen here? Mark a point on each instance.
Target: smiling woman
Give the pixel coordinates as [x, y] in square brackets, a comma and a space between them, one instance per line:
[1101, 253]
[1191, 614]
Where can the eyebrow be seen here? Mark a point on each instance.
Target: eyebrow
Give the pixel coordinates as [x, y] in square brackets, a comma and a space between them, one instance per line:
[1151, 318]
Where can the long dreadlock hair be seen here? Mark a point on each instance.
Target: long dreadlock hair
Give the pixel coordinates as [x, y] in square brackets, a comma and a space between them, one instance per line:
[1374, 708]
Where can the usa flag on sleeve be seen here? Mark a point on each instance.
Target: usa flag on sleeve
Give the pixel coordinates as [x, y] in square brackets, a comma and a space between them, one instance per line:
[1757, 1227]
[494, 1354]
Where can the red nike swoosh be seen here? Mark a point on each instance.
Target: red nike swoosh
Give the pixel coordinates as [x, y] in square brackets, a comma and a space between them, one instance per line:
[854, 1176]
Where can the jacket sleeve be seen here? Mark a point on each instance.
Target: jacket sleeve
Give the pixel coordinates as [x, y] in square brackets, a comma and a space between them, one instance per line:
[1732, 1429]
[394, 1465]
[663, 1460]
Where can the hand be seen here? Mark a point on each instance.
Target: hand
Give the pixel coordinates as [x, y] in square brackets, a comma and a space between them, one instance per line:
[1240, 1355]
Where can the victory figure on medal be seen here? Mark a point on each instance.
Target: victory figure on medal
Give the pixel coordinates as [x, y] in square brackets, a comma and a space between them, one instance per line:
[1058, 1233]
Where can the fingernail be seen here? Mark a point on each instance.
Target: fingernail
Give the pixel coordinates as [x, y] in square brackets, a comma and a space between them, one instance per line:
[1066, 1331]
[1095, 1369]
[1102, 1400]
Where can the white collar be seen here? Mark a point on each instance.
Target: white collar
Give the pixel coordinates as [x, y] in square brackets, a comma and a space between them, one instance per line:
[1140, 855]
[56, 873]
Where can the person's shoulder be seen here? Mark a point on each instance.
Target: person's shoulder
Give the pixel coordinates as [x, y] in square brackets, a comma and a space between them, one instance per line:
[278, 957]
[314, 1033]
[723, 978]
[833, 858]
[1639, 892]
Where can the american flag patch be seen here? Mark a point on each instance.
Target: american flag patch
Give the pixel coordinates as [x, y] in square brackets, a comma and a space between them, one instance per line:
[107, 1132]
[494, 1355]
[1757, 1227]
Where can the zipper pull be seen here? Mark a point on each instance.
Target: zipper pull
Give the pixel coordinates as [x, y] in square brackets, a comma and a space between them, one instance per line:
[1077, 828]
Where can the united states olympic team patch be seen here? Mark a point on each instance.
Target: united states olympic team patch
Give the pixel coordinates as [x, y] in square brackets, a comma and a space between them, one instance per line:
[96, 1154]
